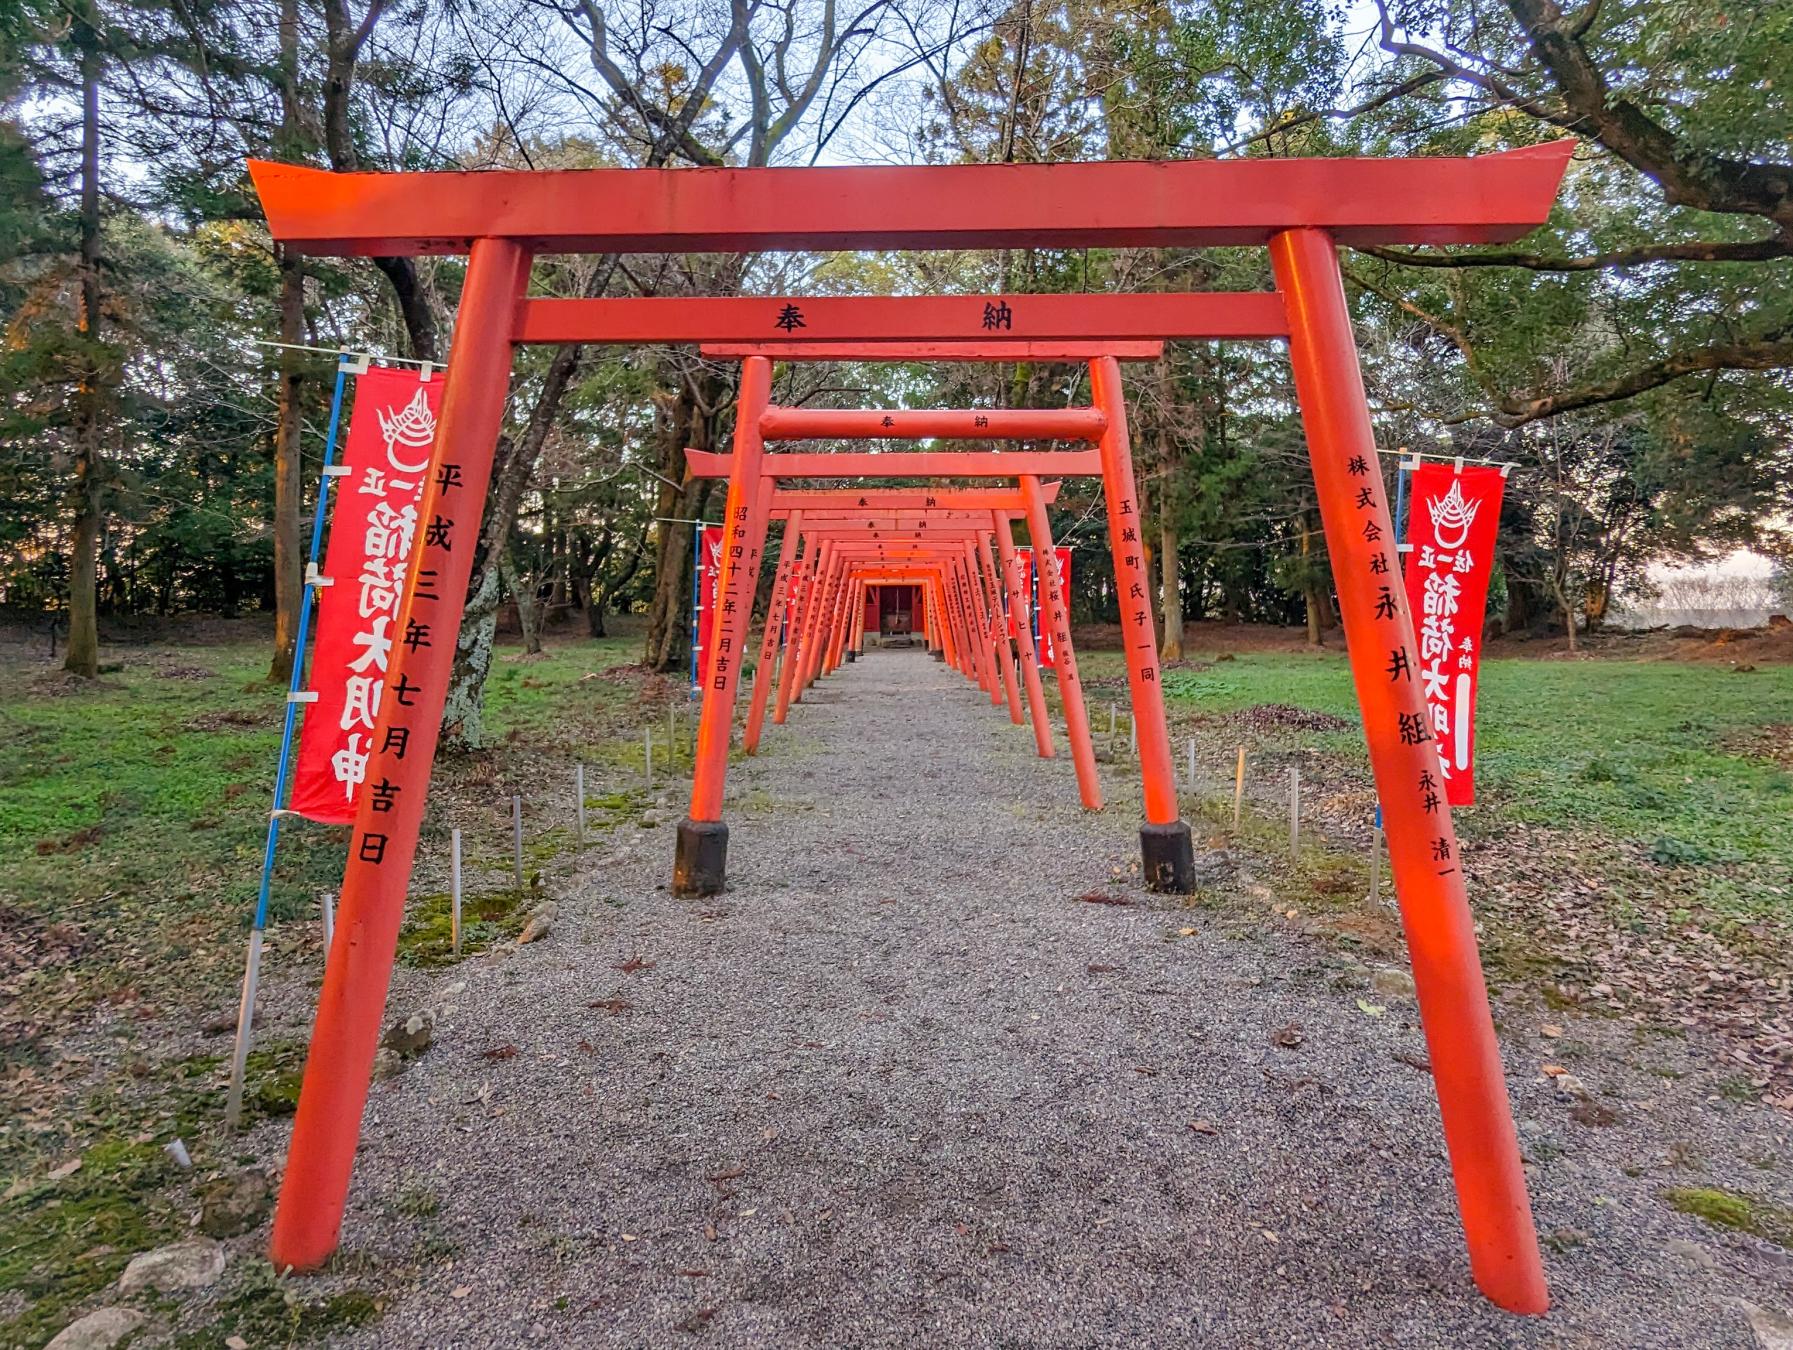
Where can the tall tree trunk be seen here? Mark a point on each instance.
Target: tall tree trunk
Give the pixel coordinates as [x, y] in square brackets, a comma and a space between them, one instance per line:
[463, 712]
[528, 615]
[343, 42]
[289, 488]
[668, 645]
[1169, 546]
[1309, 585]
[83, 656]
[1169, 550]
[289, 580]
[591, 600]
[1559, 590]
[514, 464]
[684, 421]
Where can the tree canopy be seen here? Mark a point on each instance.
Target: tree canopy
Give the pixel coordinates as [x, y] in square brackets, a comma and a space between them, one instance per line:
[1631, 358]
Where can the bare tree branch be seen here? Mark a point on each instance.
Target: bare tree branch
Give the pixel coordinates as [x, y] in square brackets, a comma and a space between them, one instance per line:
[1771, 351]
[1751, 250]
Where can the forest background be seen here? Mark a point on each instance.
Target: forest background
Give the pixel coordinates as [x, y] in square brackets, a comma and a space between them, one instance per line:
[1631, 359]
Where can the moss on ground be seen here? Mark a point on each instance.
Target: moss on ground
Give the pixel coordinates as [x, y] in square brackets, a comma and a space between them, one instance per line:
[488, 919]
[267, 1311]
[1734, 1210]
[65, 1239]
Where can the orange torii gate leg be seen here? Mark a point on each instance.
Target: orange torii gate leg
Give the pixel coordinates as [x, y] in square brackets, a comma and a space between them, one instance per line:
[949, 617]
[1422, 845]
[831, 660]
[1064, 656]
[986, 630]
[701, 856]
[832, 621]
[812, 625]
[763, 495]
[818, 629]
[1004, 653]
[975, 626]
[980, 624]
[943, 632]
[1018, 608]
[775, 607]
[1167, 852]
[308, 1219]
[787, 663]
[850, 615]
[969, 644]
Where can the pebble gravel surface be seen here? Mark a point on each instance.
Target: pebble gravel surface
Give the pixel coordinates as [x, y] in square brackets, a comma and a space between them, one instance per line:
[903, 1085]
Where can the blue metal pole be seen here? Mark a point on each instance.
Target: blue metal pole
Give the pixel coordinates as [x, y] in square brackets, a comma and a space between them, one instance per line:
[297, 682]
[246, 1009]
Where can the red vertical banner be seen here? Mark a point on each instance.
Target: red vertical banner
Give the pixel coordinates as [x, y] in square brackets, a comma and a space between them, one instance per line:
[709, 552]
[1048, 657]
[385, 461]
[1452, 520]
[1020, 579]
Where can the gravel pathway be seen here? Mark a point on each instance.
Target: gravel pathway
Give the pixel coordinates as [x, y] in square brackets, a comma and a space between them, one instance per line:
[901, 1087]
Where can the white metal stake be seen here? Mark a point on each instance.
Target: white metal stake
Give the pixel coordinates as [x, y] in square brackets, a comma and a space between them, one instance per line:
[329, 923]
[1192, 765]
[1294, 810]
[1133, 735]
[454, 890]
[579, 800]
[239, 1060]
[517, 836]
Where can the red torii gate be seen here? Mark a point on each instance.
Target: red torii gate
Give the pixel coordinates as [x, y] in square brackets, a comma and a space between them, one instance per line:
[806, 512]
[1300, 209]
[848, 517]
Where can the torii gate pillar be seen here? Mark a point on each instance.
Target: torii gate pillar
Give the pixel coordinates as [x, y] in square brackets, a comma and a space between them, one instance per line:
[700, 860]
[1422, 845]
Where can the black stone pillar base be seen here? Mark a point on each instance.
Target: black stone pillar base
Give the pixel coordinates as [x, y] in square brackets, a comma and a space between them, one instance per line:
[939, 654]
[852, 655]
[700, 860]
[1169, 857]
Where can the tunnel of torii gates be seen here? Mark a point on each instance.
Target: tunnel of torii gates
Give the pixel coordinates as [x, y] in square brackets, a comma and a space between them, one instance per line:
[1301, 210]
[936, 541]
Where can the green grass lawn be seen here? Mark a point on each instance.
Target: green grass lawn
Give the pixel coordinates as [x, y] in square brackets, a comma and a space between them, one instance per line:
[1657, 753]
[133, 813]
